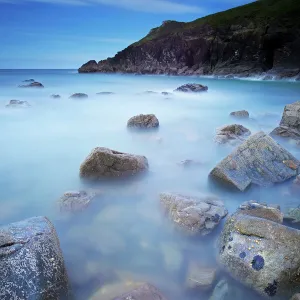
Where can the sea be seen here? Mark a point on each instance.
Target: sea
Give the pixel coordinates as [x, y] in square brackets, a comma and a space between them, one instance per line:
[124, 236]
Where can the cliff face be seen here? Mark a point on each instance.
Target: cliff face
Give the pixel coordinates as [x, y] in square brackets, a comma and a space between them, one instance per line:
[261, 37]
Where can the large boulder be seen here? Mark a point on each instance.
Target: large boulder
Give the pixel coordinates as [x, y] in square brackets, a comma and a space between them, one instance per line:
[241, 114]
[32, 84]
[143, 121]
[234, 132]
[31, 262]
[104, 162]
[192, 87]
[290, 122]
[259, 160]
[17, 104]
[261, 254]
[193, 215]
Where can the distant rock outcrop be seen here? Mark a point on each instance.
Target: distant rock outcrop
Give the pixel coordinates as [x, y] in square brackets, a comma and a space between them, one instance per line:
[34, 84]
[17, 104]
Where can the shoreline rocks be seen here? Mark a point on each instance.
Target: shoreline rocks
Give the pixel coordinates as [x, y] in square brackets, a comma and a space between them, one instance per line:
[17, 104]
[103, 162]
[143, 121]
[229, 133]
[30, 252]
[259, 160]
[192, 87]
[193, 215]
[32, 84]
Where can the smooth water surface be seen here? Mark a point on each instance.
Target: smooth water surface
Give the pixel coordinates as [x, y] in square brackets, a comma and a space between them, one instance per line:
[123, 235]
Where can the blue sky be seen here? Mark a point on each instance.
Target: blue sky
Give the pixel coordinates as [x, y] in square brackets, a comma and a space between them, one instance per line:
[67, 33]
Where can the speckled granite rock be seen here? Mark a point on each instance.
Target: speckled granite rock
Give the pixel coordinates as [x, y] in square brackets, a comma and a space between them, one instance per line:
[290, 122]
[259, 160]
[261, 254]
[104, 162]
[143, 121]
[31, 262]
[193, 215]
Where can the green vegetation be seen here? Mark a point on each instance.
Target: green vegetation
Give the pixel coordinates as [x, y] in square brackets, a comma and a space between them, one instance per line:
[281, 13]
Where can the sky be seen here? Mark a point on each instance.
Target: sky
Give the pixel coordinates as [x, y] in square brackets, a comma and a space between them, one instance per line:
[64, 34]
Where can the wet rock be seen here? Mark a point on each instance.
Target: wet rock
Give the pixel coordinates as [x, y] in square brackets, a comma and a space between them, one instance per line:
[292, 215]
[143, 121]
[32, 84]
[296, 297]
[261, 254]
[259, 160]
[17, 104]
[261, 210]
[224, 290]
[105, 93]
[144, 292]
[243, 114]
[199, 277]
[55, 96]
[192, 87]
[29, 80]
[193, 215]
[30, 253]
[104, 162]
[232, 132]
[79, 96]
[290, 123]
[75, 201]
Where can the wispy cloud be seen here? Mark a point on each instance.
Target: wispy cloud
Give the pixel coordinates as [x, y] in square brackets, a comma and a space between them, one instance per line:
[153, 6]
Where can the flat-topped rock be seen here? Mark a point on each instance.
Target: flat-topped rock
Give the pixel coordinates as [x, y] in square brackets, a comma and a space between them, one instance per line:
[103, 162]
[17, 104]
[290, 122]
[192, 87]
[30, 253]
[259, 160]
[143, 121]
[79, 96]
[32, 84]
[241, 114]
[193, 215]
[229, 133]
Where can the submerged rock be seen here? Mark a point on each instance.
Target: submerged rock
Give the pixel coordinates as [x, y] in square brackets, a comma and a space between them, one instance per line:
[290, 122]
[32, 84]
[105, 93]
[259, 160]
[232, 132]
[199, 277]
[193, 215]
[243, 114]
[143, 121]
[192, 87]
[55, 96]
[293, 215]
[261, 210]
[74, 201]
[17, 104]
[172, 256]
[104, 162]
[261, 254]
[150, 93]
[30, 253]
[166, 93]
[224, 290]
[189, 163]
[79, 96]
[29, 80]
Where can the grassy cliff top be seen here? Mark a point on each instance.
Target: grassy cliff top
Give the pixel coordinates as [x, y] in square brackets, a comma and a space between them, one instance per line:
[282, 13]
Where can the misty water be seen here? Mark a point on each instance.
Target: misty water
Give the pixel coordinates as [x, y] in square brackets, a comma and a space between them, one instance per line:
[123, 235]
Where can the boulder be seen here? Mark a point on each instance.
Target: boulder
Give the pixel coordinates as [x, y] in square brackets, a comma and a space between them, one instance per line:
[193, 215]
[32, 84]
[232, 132]
[55, 96]
[261, 210]
[296, 297]
[17, 104]
[104, 162]
[243, 114]
[79, 96]
[199, 277]
[292, 215]
[290, 122]
[192, 87]
[259, 160]
[75, 201]
[261, 254]
[31, 262]
[144, 292]
[143, 121]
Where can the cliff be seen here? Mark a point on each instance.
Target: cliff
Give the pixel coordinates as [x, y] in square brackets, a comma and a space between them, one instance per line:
[260, 37]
